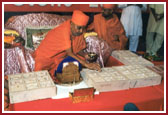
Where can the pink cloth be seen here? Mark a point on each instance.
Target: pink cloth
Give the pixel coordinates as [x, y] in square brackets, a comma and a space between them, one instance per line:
[17, 60]
[100, 47]
[35, 20]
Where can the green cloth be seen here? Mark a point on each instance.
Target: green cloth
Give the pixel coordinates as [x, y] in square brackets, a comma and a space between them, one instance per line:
[154, 26]
[29, 33]
[152, 46]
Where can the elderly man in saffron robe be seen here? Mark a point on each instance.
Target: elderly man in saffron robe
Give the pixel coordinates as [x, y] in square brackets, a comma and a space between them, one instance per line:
[62, 41]
[109, 28]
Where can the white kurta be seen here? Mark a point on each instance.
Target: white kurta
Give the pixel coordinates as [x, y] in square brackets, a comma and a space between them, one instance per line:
[131, 18]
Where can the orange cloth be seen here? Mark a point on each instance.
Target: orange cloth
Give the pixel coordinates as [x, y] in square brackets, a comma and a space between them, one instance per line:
[107, 29]
[79, 18]
[52, 49]
[109, 6]
[9, 39]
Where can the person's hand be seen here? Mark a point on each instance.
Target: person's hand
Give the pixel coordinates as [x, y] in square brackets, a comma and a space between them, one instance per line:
[87, 57]
[159, 16]
[93, 66]
[156, 17]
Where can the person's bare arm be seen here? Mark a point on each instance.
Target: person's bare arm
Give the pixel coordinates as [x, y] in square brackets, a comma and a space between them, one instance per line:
[93, 66]
[83, 54]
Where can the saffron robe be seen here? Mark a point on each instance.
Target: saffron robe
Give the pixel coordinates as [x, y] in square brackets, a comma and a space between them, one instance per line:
[51, 51]
[106, 30]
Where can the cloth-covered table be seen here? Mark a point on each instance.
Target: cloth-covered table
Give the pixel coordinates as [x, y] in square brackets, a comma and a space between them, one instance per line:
[146, 99]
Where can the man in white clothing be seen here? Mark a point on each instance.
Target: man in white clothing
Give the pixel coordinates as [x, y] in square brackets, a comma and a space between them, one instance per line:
[131, 18]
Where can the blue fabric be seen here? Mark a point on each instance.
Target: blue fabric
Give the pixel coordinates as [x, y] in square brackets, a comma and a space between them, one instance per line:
[67, 59]
[130, 107]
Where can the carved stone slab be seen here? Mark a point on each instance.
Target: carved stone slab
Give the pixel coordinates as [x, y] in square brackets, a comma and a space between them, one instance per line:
[31, 86]
[120, 78]
[129, 58]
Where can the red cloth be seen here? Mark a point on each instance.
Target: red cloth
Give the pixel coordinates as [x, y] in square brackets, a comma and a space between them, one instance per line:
[147, 99]
[107, 29]
[52, 49]
[113, 62]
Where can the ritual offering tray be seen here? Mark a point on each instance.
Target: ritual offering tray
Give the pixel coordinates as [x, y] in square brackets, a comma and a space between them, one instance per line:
[129, 58]
[120, 78]
[30, 86]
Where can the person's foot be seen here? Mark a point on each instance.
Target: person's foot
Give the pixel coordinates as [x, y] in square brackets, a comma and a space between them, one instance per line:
[148, 56]
[157, 58]
[153, 57]
[145, 55]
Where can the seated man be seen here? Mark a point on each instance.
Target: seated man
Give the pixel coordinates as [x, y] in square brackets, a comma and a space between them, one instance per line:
[109, 28]
[62, 41]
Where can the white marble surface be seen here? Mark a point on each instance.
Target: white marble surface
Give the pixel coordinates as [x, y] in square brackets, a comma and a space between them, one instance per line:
[129, 58]
[63, 90]
[121, 77]
[30, 86]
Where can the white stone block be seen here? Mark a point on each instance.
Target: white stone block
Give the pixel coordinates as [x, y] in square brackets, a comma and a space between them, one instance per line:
[30, 86]
[107, 80]
[120, 78]
[129, 58]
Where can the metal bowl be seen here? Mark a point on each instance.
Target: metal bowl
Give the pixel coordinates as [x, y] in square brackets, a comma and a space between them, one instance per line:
[93, 57]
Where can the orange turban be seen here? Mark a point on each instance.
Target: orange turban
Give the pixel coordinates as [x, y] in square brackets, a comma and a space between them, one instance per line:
[79, 18]
[109, 6]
